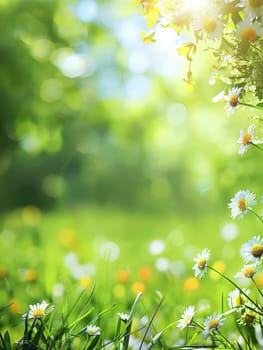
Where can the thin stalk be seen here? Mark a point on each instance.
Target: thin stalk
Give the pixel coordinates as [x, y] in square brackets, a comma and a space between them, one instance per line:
[255, 47]
[117, 334]
[260, 292]
[250, 105]
[225, 339]
[197, 325]
[234, 284]
[150, 323]
[258, 216]
[257, 146]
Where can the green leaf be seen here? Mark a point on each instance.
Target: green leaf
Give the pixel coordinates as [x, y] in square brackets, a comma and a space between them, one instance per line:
[6, 341]
[129, 325]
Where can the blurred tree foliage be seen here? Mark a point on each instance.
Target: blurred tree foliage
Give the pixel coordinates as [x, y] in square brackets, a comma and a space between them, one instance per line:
[91, 113]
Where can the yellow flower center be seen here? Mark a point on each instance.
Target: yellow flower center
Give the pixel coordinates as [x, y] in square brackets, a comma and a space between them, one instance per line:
[257, 250]
[255, 3]
[242, 204]
[238, 300]
[187, 320]
[209, 25]
[213, 324]
[246, 139]
[249, 34]
[85, 281]
[249, 272]
[202, 263]
[38, 313]
[233, 100]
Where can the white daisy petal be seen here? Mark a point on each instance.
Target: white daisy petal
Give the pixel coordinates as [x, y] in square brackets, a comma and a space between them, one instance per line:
[252, 251]
[92, 330]
[38, 310]
[241, 203]
[187, 317]
[212, 323]
[200, 267]
[236, 298]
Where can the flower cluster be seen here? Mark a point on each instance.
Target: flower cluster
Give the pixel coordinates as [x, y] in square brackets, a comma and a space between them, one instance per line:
[232, 30]
[40, 310]
[209, 326]
[247, 311]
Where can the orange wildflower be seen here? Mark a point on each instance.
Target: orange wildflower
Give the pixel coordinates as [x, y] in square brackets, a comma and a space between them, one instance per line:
[145, 273]
[123, 276]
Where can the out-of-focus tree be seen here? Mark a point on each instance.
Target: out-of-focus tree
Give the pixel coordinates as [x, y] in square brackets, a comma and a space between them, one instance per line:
[89, 112]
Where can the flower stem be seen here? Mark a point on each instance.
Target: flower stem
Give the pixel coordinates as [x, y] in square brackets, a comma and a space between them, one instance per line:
[226, 340]
[251, 106]
[255, 47]
[258, 216]
[234, 284]
[257, 146]
[197, 325]
[260, 292]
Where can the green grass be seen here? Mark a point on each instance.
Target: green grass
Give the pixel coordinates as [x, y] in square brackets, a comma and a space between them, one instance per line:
[34, 246]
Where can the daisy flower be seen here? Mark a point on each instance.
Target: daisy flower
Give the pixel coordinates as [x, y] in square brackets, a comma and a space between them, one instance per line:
[253, 8]
[248, 271]
[180, 17]
[236, 298]
[252, 251]
[212, 323]
[38, 310]
[186, 317]
[209, 25]
[200, 267]
[245, 139]
[124, 317]
[249, 316]
[241, 203]
[249, 31]
[93, 331]
[233, 99]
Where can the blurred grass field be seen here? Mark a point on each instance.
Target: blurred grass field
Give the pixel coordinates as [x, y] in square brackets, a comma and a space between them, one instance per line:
[56, 255]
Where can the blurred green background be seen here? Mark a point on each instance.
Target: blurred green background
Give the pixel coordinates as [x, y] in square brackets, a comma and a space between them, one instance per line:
[101, 137]
[91, 114]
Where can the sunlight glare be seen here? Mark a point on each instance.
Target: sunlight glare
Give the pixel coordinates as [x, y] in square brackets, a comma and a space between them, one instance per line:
[196, 5]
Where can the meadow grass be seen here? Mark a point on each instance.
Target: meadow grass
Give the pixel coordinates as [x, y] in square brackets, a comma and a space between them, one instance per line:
[92, 262]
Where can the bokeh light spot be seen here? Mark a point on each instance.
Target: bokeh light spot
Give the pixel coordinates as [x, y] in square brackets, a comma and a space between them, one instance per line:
[229, 231]
[156, 247]
[51, 90]
[109, 251]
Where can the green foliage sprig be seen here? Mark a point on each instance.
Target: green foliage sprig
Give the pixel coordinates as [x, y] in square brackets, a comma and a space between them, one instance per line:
[231, 30]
